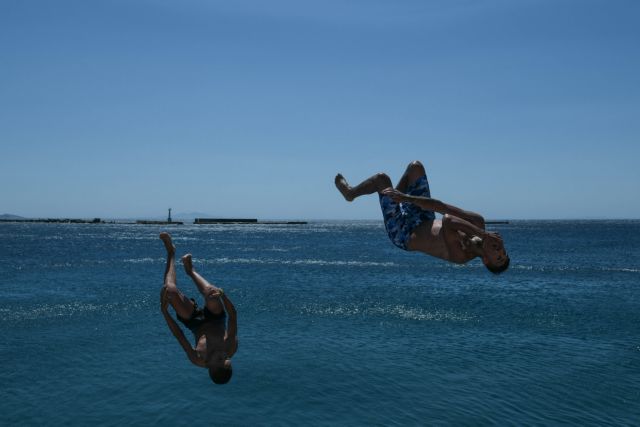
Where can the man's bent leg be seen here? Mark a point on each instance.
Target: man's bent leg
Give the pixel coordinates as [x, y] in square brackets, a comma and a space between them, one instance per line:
[415, 170]
[213, 303]
[374, 184]
[181, 304]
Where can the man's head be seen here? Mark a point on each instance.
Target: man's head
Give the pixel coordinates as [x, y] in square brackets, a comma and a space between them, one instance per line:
[494, 255]
[220, 371]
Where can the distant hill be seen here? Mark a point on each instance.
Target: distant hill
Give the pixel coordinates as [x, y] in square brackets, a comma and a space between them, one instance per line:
[10, 216]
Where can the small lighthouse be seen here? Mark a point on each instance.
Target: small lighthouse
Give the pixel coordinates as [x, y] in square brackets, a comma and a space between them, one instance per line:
[169, 217]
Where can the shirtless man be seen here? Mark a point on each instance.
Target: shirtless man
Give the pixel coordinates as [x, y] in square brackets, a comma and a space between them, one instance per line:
[215, 341]
[409, 217]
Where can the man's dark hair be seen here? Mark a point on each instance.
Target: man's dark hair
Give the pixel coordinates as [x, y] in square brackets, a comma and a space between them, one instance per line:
[220, 375]
[500, 269]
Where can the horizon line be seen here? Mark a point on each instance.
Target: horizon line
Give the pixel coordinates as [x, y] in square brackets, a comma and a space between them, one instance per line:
[177, 218]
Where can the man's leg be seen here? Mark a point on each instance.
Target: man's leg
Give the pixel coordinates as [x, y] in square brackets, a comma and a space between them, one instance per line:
[208, 291]
[374, 184]
[181, 304]
[414, 171]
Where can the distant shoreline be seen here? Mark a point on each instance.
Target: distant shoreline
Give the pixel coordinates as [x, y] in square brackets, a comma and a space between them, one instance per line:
[249, 221]
[202, 221]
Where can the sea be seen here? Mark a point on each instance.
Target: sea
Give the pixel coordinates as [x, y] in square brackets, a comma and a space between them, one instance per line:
[336, 326]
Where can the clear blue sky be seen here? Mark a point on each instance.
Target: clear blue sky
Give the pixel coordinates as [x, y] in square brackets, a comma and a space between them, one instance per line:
[123, 108]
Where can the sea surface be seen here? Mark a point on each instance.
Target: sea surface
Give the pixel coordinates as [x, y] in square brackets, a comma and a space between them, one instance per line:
[336, 327]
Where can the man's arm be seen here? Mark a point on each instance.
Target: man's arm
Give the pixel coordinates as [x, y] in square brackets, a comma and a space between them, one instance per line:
[177, 332]
[429, 204]
[452, 224]
[455, 223]
[232, 325]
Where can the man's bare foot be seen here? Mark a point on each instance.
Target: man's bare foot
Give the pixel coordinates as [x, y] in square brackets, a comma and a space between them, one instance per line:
[186, 261]
[166, 239]
[343, 187]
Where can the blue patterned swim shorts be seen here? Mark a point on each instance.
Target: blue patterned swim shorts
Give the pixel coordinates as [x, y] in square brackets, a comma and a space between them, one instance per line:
[400, 219]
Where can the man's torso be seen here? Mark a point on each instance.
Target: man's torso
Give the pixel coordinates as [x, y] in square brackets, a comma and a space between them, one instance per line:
[210, 336]
[433, 239]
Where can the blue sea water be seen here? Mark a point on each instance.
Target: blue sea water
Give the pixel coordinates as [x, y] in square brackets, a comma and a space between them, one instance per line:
[336, 327]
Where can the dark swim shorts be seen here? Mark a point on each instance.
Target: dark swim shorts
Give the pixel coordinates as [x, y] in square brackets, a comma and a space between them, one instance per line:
[201, 316]
[400, 219]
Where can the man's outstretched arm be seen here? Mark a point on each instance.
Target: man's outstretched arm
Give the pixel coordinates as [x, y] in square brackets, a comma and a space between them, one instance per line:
[177, 332]
[429, 204]
[232, 324]
[455, 223]
[451, 223]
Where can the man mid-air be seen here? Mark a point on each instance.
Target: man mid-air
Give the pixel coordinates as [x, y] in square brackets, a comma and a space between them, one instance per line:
[214, 326]
[409, 217]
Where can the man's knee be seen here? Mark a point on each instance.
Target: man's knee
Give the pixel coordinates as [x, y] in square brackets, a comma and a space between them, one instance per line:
[383, 181]
[172, 291]
[416, 167]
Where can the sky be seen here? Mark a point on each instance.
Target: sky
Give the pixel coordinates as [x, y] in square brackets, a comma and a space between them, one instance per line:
[524, 109]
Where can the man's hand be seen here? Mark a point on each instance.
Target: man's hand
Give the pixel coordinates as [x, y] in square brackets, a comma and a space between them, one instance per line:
[395, 195]
[215, 293]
